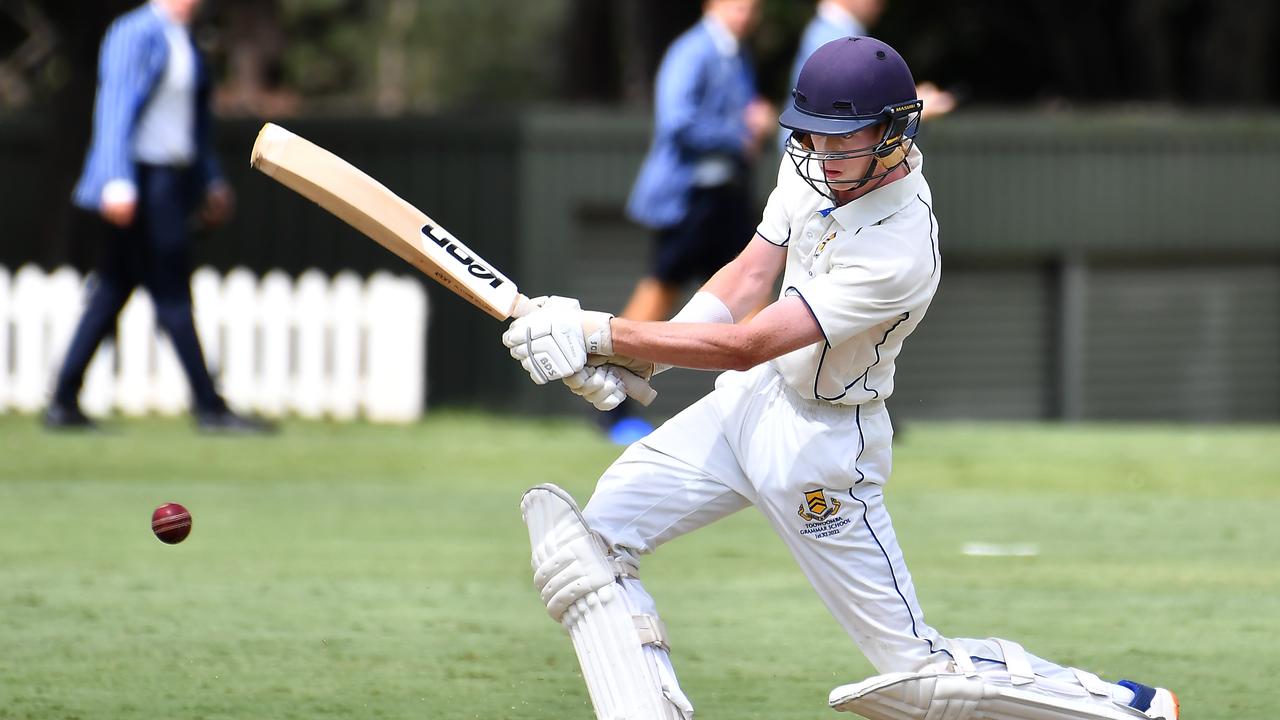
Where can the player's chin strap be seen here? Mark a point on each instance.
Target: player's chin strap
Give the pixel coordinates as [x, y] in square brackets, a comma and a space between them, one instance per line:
[620, 641]
[962, 692]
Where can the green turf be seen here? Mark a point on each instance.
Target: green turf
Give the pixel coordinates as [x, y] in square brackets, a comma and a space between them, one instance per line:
[372, 572]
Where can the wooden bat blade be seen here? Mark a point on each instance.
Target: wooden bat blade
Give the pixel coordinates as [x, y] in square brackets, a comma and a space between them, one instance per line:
[368, 206]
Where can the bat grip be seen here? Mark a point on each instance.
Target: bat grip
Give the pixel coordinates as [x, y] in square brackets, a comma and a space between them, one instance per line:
[636, 387]
[522, 306]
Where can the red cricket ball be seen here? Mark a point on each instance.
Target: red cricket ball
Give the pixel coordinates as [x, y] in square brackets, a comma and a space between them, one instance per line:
[171, 523]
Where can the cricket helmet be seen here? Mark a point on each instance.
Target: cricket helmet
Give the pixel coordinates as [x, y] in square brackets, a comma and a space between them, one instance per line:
[847, 85]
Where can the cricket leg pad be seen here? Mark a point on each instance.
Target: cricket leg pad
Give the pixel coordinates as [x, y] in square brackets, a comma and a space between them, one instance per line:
[620, 641]
[963, 693]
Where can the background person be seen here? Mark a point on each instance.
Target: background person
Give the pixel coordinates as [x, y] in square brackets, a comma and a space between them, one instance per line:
[693, 188]
[833, 19]
[149, 165]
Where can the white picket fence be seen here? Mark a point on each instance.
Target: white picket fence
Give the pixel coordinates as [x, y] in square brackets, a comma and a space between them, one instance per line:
[314, 346]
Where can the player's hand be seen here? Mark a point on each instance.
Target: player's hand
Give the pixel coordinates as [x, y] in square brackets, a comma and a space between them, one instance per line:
[119, 212]
[552, 342]
[761, 120]
[937, 101]
[604, 386]
[219, 202]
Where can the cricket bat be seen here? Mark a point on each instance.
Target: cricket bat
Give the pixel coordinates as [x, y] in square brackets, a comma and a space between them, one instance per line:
[368, 206]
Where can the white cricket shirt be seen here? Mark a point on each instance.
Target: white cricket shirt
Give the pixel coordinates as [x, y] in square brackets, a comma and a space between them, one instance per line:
[867, 270]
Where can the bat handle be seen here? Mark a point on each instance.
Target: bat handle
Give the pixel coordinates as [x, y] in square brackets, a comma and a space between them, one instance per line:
[637, 389]
[522, 306]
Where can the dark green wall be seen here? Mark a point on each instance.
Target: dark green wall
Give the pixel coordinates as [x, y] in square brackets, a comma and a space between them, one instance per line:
[1120, 266]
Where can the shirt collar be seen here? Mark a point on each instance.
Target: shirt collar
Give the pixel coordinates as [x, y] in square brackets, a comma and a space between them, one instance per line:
[837, 15]
[726, 44]
[885, 200]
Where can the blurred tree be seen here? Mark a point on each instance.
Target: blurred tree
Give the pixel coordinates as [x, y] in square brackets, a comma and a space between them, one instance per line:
[63, 82]
[611, 50]
[407, 55]
[393, 56]
[1052, 52]
[251, 44]
[31, 34]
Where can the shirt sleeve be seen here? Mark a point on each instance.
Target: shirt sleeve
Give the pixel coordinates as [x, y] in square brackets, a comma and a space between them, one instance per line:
[871, 282]
[775, 224]
[122, 89]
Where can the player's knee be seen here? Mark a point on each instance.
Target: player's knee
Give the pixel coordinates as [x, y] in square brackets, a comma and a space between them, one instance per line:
[569, 560]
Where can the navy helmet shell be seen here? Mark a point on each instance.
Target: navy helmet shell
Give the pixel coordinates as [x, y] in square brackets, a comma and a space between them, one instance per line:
[847, 85]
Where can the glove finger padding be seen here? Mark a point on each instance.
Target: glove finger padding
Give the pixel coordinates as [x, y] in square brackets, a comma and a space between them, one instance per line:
[577, 380]
[601, 386]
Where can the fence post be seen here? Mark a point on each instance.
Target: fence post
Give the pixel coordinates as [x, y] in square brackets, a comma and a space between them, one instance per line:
[348, 337]
[29, 298]
[238, 295]
[276, 313]
[313, 311]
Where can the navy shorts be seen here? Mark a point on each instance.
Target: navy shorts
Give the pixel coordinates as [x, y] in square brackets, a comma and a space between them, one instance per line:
[716, 228]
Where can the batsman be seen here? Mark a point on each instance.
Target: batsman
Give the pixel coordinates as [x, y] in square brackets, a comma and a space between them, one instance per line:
[797, 427]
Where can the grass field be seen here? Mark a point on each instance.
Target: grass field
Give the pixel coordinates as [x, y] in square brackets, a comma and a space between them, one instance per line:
[370, 572]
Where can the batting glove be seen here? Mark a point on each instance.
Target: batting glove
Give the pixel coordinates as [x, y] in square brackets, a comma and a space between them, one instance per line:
[603, 386]
[552, 342]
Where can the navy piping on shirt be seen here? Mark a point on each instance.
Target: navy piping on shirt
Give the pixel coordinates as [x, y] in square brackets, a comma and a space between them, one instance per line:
[867, 373]
[784, 243]
[793, 289]
[875, 393]
[932, 239]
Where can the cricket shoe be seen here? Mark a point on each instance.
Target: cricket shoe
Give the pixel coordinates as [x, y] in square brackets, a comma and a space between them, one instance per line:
[223, 421]
[1157, 703]
[60, 416]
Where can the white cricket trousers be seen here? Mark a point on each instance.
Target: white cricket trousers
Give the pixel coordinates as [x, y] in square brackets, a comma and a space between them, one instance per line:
[817, 472]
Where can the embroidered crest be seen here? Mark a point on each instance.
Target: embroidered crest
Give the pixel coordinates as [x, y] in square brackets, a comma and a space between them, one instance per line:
[817, 506]
[823, 245]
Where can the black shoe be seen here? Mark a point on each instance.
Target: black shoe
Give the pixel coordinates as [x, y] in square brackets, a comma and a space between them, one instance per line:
[227, 422]
[67, 417]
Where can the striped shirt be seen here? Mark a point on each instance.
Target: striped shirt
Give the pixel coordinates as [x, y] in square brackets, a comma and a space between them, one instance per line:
[152, 106]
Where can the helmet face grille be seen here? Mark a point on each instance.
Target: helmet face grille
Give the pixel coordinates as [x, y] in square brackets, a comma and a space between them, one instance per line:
[891, 149]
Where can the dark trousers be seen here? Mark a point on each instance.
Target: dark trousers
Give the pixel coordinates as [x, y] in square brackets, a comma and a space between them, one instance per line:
[716, 228]
[152, 252]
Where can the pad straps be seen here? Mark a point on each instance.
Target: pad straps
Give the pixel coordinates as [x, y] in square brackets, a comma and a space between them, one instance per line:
[1016, 660]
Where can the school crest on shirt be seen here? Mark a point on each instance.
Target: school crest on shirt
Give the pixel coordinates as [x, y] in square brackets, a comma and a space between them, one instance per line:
[823, 245]
[817, 506]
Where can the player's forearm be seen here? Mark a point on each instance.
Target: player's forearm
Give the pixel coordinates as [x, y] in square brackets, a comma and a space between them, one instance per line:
[778, 329]
[702, 346]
